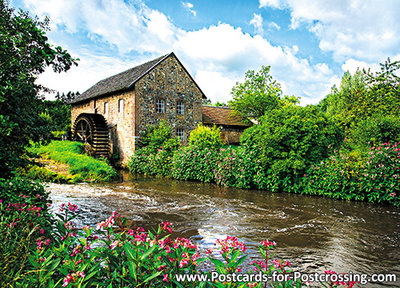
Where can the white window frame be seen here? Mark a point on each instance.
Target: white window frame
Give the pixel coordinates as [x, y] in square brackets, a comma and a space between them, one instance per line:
[180, 133]
[180, 108]
[121, 105]
[105, 108]
[160, 106]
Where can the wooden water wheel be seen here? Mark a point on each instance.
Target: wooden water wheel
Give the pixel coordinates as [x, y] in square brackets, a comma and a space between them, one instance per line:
[92, 129]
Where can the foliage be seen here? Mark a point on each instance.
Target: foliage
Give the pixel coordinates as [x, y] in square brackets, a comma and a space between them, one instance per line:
[156, 136]
[155, 155]
[257, 95]
[113, 255]
[205, 137]
[374, 131]
[364, 96]
[25, 53]
[42, 174]
[354, 175]
[81, 165]
[193, 163]
[59, 114]
[290, 140]
[237, 168]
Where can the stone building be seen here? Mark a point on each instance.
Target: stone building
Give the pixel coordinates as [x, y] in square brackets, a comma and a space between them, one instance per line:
[112, 114]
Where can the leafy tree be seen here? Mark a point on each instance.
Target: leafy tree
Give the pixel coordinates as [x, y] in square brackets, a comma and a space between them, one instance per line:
[289, 140]
[24, 55]
[258, 94]
[67, 98]
[159, 136]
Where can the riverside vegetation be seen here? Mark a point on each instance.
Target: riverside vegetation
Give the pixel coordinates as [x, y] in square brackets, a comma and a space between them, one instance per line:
[346, 147]
[81, 166]
[44, 250]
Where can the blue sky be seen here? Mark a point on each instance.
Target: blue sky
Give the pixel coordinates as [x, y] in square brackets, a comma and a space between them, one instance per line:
[308, 44]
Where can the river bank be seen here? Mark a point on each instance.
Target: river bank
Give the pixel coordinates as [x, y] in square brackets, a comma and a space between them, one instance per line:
[314, 233]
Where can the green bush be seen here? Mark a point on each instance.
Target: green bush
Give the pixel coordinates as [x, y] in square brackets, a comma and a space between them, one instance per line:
[291, 139]
[364, 176]
[238, 167]
[375, 131]
[80, 164]
[193, 163]
[205, 137]
[155, 155]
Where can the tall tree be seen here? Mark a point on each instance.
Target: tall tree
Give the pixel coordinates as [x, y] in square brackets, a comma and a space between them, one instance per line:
[25, 53]
[258, 94]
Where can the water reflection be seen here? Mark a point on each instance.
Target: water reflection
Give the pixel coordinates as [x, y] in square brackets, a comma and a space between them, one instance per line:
[314, 233]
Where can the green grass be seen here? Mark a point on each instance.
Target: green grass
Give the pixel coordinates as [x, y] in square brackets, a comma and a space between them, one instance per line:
[80, 165]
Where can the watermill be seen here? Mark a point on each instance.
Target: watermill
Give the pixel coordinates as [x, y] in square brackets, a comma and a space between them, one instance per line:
[92, 130]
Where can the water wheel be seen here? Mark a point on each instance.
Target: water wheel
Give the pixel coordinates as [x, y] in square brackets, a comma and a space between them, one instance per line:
[92, 129]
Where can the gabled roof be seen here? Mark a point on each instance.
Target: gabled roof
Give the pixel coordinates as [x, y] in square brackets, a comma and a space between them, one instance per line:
[124, 80]
[222, 116]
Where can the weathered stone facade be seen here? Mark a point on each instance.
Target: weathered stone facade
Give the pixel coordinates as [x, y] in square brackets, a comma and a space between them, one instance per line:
[167, 79]
[171, 83]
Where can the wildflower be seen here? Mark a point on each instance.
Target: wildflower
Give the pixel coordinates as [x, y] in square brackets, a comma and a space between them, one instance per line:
[67, 280]
[393, 194]
[277, 263]
[268, 244]
[42, 231]
[165, 226]
[165, 279]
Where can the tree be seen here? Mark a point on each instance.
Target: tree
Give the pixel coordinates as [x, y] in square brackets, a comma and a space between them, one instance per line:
[258, 94]
[289, 140]
[24, 54]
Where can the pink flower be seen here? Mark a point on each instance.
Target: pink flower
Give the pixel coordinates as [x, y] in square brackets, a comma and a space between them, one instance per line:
[277, 263]
[393, 194]
[165, 279]
[166, 226]
[41, 231]
[67, 280]
[268, 244]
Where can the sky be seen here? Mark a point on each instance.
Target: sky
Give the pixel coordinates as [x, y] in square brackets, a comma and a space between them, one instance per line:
[308, 44]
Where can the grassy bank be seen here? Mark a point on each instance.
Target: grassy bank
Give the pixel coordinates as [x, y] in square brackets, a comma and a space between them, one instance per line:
[81, 167]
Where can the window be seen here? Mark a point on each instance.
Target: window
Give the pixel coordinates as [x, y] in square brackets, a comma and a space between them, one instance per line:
[180, 108]
[106, 108]
[180, 133]
[121, 105]
[160, 106]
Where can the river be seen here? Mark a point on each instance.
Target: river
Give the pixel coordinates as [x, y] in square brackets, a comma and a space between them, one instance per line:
[314, 233]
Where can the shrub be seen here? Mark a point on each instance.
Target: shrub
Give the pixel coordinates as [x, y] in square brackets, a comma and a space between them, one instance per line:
[205, 137]
[237, 168]
[375, 131]
[366, 176]
[193, 163]
[291, 139]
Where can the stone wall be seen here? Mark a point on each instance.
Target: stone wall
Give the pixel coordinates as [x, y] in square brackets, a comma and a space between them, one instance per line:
[120, 123]
[168, 81]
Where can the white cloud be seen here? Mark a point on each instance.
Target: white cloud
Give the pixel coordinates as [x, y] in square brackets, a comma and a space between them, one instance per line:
[364, 30]
[257, 22]
[189, 7]
[273, 25]
[278, 4]
[216, 56]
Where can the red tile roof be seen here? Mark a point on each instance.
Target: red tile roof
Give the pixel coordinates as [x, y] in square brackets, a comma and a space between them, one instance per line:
[222, 116]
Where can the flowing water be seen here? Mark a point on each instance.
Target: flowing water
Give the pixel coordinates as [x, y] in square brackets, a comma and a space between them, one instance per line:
[315, 234]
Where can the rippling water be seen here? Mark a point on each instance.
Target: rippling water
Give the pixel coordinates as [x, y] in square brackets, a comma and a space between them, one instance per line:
[315, 234]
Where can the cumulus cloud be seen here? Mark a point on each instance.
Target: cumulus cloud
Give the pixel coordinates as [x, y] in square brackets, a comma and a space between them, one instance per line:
[257, 22]
[216, 56]
[189, 7]
[365, 30]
